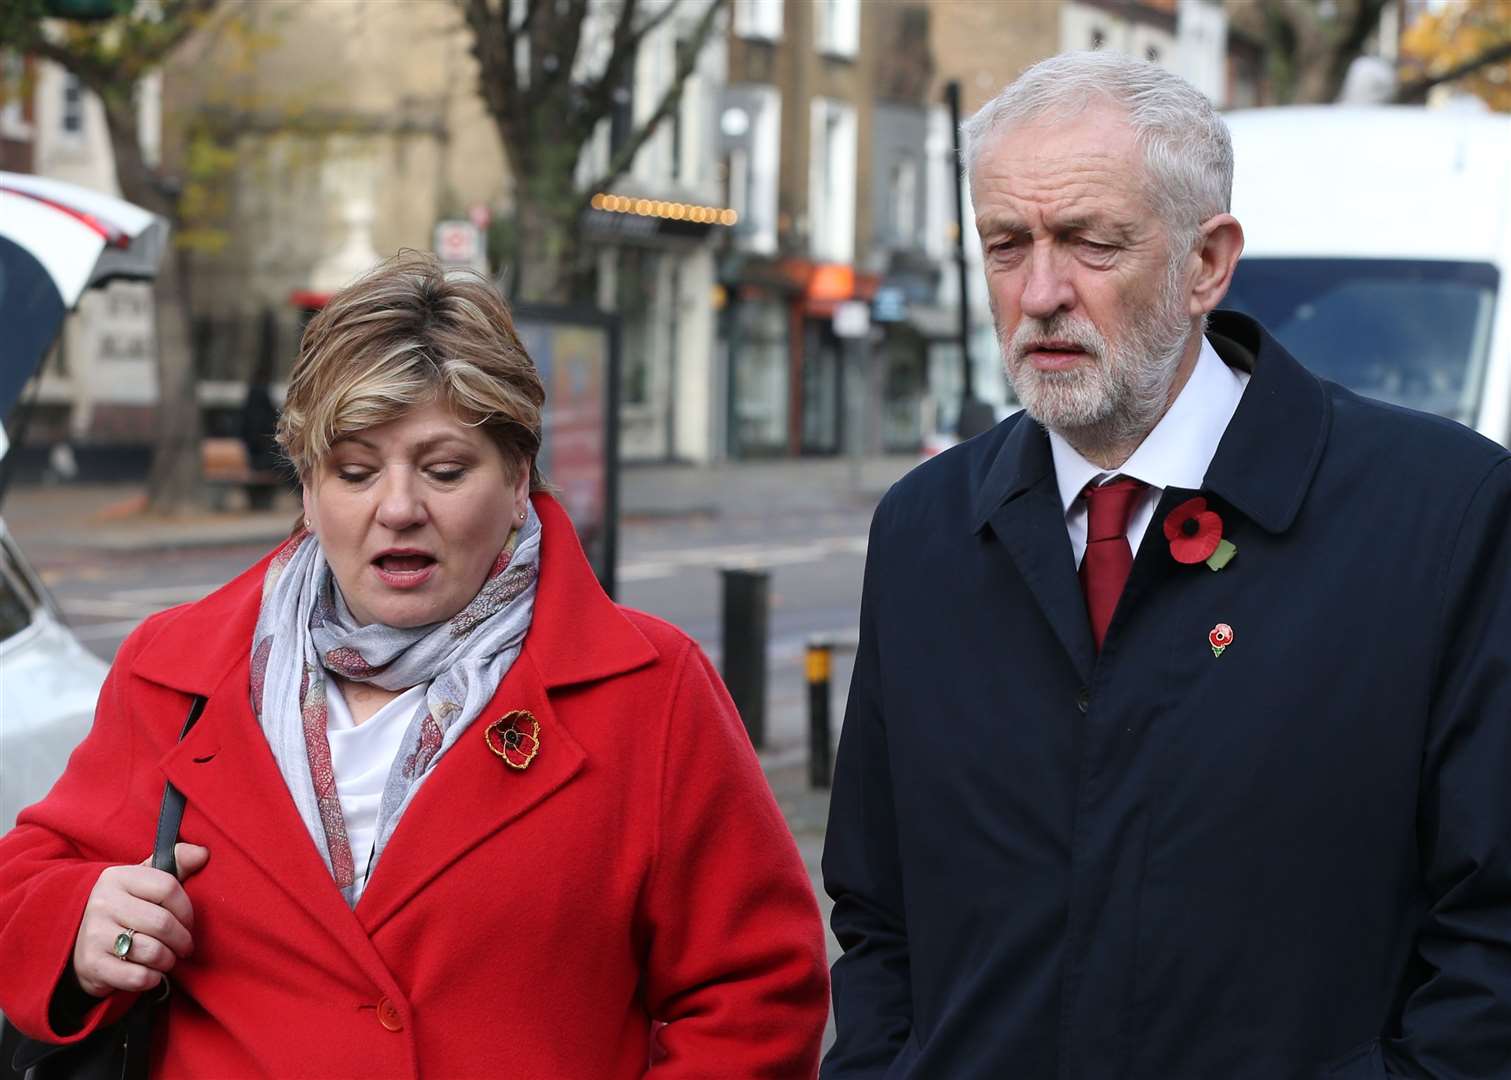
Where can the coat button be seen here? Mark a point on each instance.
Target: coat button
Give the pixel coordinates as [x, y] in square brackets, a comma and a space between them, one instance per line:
[388, 1016]
[1083, 699]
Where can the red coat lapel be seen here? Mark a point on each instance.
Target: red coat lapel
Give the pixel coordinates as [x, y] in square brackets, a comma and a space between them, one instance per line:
[228, 776]
[472, 794]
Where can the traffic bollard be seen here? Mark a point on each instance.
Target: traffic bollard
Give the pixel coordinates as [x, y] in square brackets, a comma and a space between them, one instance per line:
[745, 622]
[820, 663]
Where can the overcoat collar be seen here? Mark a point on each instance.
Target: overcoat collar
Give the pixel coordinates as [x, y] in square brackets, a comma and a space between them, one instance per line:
[578, 634]
[227, 771]
[1267, 457]
[1263, 468]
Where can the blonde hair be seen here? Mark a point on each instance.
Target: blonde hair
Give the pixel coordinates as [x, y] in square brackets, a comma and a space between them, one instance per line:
[405, 334]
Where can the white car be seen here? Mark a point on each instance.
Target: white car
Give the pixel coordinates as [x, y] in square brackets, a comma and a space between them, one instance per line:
[56, 241]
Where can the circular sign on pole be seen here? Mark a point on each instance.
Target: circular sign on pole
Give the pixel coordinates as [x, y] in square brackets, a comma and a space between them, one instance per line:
[460, 243]
[852, 319]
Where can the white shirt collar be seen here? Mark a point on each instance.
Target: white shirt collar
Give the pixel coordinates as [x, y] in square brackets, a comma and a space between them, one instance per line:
[1181, 446]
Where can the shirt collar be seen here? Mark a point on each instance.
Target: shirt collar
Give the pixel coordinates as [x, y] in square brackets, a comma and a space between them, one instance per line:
[1181, 446]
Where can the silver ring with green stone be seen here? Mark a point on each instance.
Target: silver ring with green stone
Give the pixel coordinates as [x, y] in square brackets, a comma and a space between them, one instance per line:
[123, 942]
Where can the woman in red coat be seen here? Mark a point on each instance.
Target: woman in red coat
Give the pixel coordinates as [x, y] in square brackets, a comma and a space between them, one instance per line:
[450, 810]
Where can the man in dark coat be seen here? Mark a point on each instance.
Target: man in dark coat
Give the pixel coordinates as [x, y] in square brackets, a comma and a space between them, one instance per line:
[1179, 738]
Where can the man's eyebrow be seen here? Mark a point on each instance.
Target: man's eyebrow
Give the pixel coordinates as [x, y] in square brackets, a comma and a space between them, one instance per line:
[990, 224]
[1113, 230]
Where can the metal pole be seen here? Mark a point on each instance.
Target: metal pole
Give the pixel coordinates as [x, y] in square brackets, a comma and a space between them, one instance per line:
[745, 621]
[952, 98]
[820, 663]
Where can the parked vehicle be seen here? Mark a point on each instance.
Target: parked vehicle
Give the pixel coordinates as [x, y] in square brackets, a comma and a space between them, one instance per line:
[56, 241]
[1378, 250]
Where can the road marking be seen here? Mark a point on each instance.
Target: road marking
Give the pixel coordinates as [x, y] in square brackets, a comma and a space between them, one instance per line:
[105, 631]
[662, 564]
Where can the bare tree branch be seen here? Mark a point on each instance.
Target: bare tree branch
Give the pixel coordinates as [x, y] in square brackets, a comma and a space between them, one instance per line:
[493, 46]
[597, 96]
[1415, 90]
[531, 7]
[622, 160]
[666, 12]
[1362, 21]
[553, 47]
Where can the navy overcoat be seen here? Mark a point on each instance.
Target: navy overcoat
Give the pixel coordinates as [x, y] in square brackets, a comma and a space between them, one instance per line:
[1289, 861]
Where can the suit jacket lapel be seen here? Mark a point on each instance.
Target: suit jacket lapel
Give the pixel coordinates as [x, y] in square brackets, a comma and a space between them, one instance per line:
[1020, 503]
[1032, 528]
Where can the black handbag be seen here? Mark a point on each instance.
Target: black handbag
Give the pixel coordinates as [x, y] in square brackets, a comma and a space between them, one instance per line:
[122, 1050]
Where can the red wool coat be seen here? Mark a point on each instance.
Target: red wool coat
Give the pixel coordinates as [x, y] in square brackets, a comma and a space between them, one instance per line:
[525, 924]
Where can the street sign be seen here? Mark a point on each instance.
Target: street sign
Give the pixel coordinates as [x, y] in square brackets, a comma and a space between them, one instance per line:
[889, 305]
[460, 243]
[852, 319]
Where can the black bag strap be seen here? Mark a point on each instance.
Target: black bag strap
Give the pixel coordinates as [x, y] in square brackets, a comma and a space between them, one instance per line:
[172, 813]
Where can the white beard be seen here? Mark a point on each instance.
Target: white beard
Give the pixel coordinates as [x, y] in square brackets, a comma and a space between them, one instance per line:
[1115, 401]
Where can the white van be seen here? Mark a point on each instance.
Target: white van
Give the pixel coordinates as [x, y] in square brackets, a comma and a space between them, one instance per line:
[1378, 250]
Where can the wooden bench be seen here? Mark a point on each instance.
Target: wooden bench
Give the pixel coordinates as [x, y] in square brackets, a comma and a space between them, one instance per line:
[225, 468]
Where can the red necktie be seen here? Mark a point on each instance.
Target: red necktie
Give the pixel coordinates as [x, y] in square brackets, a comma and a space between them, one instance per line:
[1108, 559]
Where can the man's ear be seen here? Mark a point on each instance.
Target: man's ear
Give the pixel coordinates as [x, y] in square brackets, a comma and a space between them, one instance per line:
[1217, 249]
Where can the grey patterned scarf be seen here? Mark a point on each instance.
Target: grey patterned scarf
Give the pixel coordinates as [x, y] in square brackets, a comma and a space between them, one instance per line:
[304, 630]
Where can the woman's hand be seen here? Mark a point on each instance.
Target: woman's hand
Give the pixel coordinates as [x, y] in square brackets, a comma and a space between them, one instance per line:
[148, 901]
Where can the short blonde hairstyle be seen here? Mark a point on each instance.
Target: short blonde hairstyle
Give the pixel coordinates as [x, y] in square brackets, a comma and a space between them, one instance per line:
[405, 334]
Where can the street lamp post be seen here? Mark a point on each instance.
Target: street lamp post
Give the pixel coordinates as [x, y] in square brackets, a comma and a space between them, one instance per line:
[975, 415]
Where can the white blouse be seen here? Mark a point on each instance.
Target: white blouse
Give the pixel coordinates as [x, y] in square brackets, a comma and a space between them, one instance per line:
[361, 757]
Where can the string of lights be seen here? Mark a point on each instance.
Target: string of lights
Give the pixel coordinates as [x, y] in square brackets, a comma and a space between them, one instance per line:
[658, 208]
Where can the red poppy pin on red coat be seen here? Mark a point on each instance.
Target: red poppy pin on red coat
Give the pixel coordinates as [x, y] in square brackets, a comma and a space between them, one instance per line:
[515, 737]
[1195, 535]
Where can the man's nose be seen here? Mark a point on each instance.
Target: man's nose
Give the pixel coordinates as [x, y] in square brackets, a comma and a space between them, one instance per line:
[400, 503]
[1047, 289]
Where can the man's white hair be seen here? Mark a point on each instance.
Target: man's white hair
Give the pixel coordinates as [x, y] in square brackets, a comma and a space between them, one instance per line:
[1188, 154]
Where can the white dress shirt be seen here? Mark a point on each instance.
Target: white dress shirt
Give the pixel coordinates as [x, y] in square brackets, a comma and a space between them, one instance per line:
[1175, 454]
[361, 757]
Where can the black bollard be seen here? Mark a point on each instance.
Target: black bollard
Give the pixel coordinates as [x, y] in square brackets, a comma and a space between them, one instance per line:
[820, 740]
[745, 619]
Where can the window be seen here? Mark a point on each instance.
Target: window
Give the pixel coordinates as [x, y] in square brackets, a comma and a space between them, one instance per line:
[759, 19]
[749, 133]
[904, 191]
[831, 181]
[73, 104]
[18, 601]
[838, 27]
[13, 91]
[1407, 332]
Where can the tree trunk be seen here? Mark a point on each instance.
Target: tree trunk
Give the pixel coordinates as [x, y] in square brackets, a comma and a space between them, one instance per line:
[545, 269]
[173, 482]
